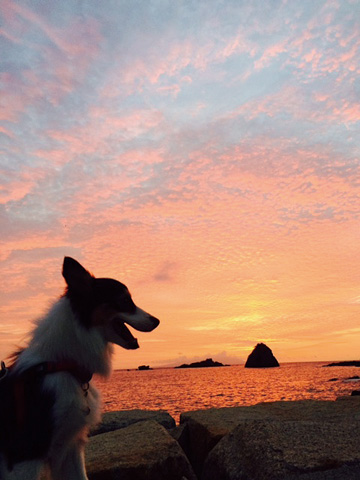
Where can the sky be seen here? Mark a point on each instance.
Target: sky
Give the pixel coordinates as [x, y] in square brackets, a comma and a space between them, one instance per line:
[204, 153]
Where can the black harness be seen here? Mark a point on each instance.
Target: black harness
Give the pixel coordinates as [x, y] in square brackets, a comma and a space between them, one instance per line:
[26, 422]
[44, 368]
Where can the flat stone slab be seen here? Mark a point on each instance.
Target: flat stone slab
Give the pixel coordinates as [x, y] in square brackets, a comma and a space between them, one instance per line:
[121, 419]
[141, 451]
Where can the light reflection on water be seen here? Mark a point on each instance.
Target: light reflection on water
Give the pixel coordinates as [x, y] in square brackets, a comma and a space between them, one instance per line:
[181, 390]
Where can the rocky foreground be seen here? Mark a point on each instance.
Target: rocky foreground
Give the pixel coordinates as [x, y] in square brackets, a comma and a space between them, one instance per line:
[307, 440]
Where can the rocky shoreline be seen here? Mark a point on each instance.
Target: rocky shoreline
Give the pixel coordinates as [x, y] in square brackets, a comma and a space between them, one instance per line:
[306, 439]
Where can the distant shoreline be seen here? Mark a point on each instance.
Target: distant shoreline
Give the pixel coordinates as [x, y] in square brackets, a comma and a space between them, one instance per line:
[326, 363]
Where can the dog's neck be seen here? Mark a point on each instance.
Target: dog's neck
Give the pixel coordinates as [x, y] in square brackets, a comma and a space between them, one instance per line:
[60, 337]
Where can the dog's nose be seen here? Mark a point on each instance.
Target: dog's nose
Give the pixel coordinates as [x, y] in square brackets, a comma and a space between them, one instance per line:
[155, 321]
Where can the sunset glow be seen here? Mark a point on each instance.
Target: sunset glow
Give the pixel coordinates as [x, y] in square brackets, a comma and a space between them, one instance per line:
[206, 154]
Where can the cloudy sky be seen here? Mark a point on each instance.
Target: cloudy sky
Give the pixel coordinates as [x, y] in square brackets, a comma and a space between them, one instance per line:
[205, 153]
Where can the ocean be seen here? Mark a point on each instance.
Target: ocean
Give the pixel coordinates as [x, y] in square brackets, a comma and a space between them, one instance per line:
[181, 390]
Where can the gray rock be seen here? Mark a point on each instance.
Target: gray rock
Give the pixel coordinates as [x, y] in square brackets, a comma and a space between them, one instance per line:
[121, 419]
[207, 427]
[284, 450]
[141, 451]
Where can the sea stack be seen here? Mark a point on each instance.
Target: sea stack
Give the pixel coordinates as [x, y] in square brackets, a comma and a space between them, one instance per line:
[261, 357]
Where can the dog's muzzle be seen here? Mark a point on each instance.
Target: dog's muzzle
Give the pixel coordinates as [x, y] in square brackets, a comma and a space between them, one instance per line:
[118, 332]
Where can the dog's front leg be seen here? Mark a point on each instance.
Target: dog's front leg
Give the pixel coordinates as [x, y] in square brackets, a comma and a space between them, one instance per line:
[70, 465]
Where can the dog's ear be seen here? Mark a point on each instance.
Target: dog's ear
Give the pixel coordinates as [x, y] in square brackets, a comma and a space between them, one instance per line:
[76, 277]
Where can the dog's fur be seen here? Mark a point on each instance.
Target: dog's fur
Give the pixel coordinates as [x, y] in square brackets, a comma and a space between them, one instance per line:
[53, 405]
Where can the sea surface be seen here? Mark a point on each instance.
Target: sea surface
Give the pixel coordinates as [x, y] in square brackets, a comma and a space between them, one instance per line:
[181, 390]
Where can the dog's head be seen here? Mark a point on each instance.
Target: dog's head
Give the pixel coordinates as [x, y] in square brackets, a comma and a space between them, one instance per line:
[106, 304]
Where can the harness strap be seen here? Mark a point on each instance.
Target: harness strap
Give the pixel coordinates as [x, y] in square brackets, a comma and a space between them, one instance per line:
[81, 375]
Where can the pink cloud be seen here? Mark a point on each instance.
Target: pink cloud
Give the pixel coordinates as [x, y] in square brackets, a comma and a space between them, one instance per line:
[349, 113]
[288, 99]
[13, 9]
[35, 239]
[28, 181]
[12, 101]
[54, 157]
[74, 40]
[62, 63]
[321, 97]
[6, 132]
[143, 157]
[175, 57]
[9, 36]
[269, 53]
[136, 73]
[237, 45]
[319, 107]
[15, 190]
[103, 124]
[261, 173]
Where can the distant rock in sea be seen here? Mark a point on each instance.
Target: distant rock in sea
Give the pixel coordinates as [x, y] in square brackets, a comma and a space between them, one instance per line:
[261, 357]
[209, 362]
[144, 367]
[351, 363]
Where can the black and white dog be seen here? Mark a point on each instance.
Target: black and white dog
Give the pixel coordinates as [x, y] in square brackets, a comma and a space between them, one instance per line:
[47, 401]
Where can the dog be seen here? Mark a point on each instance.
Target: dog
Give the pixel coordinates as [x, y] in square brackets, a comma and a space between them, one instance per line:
[47, 401]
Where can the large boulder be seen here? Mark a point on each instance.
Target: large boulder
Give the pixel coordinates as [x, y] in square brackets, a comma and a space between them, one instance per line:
[120, 419]
[141, 451]
[205, 428]
[261, 357]
[284, 450]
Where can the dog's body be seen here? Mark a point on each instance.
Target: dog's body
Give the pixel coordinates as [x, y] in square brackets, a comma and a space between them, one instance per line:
[50, 400]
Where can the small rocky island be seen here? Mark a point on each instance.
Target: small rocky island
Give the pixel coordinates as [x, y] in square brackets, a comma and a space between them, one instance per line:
[261, 357]
[350, 363]
[209, 362]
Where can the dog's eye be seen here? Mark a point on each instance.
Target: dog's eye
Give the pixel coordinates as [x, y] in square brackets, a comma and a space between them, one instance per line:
[124, 304]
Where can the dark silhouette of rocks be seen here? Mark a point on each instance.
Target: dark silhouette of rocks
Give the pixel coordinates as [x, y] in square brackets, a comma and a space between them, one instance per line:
[261, 357]
[209, 362]
[144, 367]
[350, 363]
